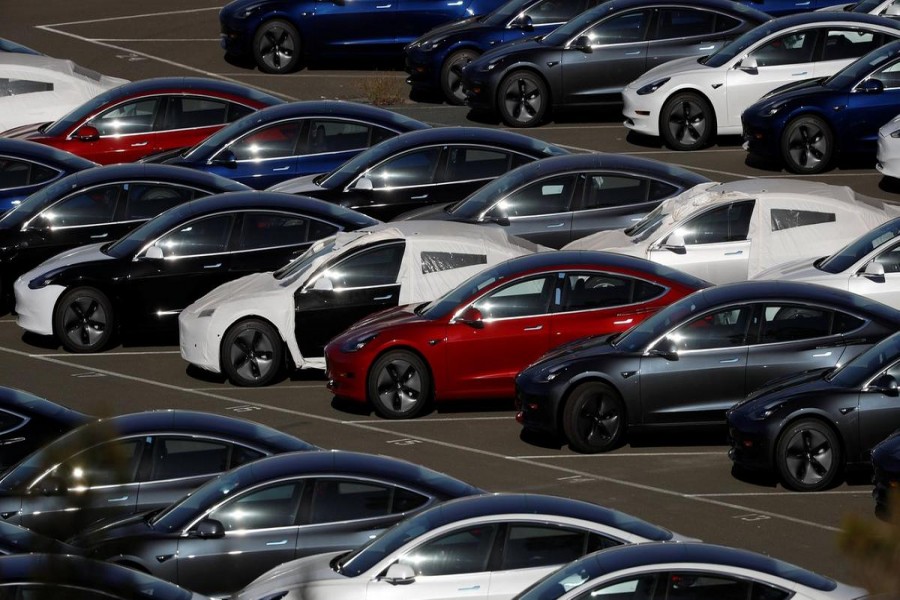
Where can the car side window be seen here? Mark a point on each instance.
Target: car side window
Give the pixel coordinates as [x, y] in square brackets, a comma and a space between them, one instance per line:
[544, 197]
[843, 44]
[522, 298]
[462, 551]
[16, 87]
[274, 141]
[586, 291]
[175, 457]
[547, 12]
[191, 111]
[10, 421]
[138, 116]
[634, 587]
[146, 200]
[789, 49]
[88, 207]
[336, 500]
[112, 463]
[889, 75]
[241, 455]
[692, 585]
[726, 328]
[530, 545]
[202, 236]
[335, 136]
[18, 173]
[890, 259]
[730, 223]
[604, 191]
[271, 506]
[273, 230]
[789, 322]
[680, 22]
[412, 168]
[373, 267]
[620, 29]
[726, 23]
[468, 164]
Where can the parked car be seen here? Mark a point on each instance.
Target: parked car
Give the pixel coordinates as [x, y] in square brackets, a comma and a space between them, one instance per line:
[26, 167]
[886, 478]
[885, 8]
[800, 123]
[591, 58]
[690, 362]
[11, 46]
[130, 463]
[249, 328]
[20, 540]
[421, 168]
[92, 206]
[732, 231]
[492, 326]
[145, 117]
[869, 266]
[434, 60]
[779, 8]
[37, 88]
[28, 422]
[556, 200]
[501, 541]
[690, 570]
[281, 142]
[281, 36]
[688, 101]
[887, 155]
[139, 283]
[258, 516]
[810, 428]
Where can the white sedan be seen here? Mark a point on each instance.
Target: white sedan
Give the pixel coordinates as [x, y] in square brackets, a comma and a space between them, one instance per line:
[869, 266]
[688, 101]
[887, 159]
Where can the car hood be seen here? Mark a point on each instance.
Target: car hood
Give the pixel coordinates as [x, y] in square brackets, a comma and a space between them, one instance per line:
[26, 132]
[249, 288]
[434, 212]
[679, 66]
[442, 31]
[291, 574]
[886, 455]
[169, 157]
[503, 51]
[113, 529]
[613, 240]
[385, 319]
[801, 269]
[775, 392]
[297, 185]
[793, 91]
[76, 256]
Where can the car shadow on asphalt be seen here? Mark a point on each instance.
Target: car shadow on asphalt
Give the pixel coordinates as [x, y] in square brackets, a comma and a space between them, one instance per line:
[503, 405]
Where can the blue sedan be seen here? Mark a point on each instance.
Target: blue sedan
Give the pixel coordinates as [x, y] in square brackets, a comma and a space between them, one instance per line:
[808, 124]
[778, 8]
[290, 140]
[26, 167]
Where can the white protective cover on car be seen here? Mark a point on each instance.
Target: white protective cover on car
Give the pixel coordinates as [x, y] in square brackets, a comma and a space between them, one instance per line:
[854, 213]
[72, 86]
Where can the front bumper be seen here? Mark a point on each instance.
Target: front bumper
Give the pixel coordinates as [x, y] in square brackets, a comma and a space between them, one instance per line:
[479, 92]
[749, 449]
[536, 408]
[35, 307]
[761, 138]
[235, 40]
[424, 74]
[888, 157]
[199, 342]
[640, 117]
[346, 375]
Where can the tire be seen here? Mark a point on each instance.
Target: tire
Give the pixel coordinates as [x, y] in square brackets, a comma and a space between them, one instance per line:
[252, 353]
[807, 145]
[83, 320]
[522, 99]
[399, 385]
[450, 77]
[594, 418]
[277, 47]
[808, 456]
[687, 122]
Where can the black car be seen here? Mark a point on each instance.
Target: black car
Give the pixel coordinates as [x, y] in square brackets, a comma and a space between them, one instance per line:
[886, 465]
[258, 516]
[94, 205]
[810, 427]
[26, 167]
[127, 464]
[141, 282]
[554, 201]
[690, 362]
[28, 422]
[20, 540]
[422, 168]
[590, 59]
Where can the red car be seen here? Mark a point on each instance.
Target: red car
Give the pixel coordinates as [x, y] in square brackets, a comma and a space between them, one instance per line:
[138, 119]
[473, 341]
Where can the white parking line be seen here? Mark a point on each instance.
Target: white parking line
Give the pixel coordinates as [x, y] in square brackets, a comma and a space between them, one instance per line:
[102, 354]
[260, 389]
[583, 475]
[141, 16]
[829, 493]
[156, 39]
[616, 455]
[426, 420]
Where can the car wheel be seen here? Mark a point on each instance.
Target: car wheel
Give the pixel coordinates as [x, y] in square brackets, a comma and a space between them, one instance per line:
[276, 47]
[807, 145]
[252, 353]
[687, 122]
[451, 80]
[399, 385]
[83, 320]
[594, 418]
[808, 456]
[522, 99]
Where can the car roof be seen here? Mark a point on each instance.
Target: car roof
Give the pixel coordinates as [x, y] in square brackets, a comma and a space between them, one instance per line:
[112, 173]
[607, 160]
[20, 401]
[726, 5]
[469, 135]
[836, 16]
[185, 85]
[41, 153]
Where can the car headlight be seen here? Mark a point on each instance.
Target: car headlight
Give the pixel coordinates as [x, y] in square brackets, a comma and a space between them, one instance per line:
[895, 133]
[358, 343]
[45, 279]
[429, 45]
[552, 373]
[249, 11]
[774, 109]
[493, 64]
[766, 412]
[206, 313]
[653, 86]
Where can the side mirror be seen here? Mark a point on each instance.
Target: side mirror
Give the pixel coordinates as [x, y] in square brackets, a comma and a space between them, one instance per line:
[323, 284]
[400, 574]
[583, 43]
[225, 158]
[874, 271]
[871, 86]
[666, 348]
[749, 65]
[675, 243]
[86, 133]
[471, 317]
[154, 253]
[52, 486]
[363, 184]
[210, 529]
[886, 384]
[524, 23]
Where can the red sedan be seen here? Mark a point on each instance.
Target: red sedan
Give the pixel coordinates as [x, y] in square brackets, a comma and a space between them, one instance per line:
[146, 117]
[472, 342]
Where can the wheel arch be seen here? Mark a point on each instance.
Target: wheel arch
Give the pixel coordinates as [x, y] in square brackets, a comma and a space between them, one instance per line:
[244, 319]
[592, 377]
[409, 348]
[810, 111]
[534, 71]
[686, 88]
[105, 288]
[811, 415]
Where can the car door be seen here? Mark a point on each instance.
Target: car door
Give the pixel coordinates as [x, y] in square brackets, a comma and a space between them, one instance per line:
[466, 168]
[326, 143]
[396, 185]
[617, 55]
[268, 240]
[869, 108]
[127, 132]
[716, 244]
[344, 292]
[686, 31]
[262, 157]
[883, 288]
[360, 27]
[540, 211]
[191, 119]
[709, 374]
[514, 331]
[877, 418]
[616, 201]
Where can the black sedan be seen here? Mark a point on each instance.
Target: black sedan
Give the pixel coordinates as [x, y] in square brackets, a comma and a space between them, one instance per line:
[129, 463]
[28, 422]
[26, 167]
[810, 427]
[886, 465]
[20, 540]
[94, 205]
[590, 59]
[141, 282]
[258, 516]
[421, 168]
[557, 200]
[690, 362]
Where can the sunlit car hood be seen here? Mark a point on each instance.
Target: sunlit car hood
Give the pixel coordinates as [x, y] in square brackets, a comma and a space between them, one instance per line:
[679, 66]
[388, 318]
[291, 574]
[80, 255]
[776, 391]
[801, 269]
[442, 31]
[613, 240]
[580, 348]
[249, 288]
[511, 48]
[25, 132]
[791, 91]
[298, 185]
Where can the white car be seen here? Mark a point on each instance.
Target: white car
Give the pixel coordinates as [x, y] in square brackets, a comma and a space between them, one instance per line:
[732, 231]
[688, 571]
[489, 547]
[869, 266]
[887, 159]
[688, 101]
[243, 328]
[39, 89]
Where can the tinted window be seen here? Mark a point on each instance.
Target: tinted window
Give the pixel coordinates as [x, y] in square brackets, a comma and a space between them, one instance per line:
[15, 87]
[405, 500]
[131, 117]
[615, 190]
[335, 500]
[336, 136]
[890, 260]
[106, 464]
[684, 22]
[466, 164]
[585, 291]
[844, 323]
[270, 230]
[889, 75]
[702, 586]
[412, 168]
[272, 506]
[196, 112]
[620, 29]
[788, 219]
[529, 546]
[548, 196]
[203, 236]
[275, 141]
[640, 587]
[89, 207]
[721, 329]
[729, 223]
[789, 49]
[9, 421]
[242, 455]
[17, 173]
[553, 11]
[184, 457]
[465, 551]
[378, 266]
[843, 44]
[519, 299]
[432, 262]
[726, 23]
[783, 323]
[146, 200]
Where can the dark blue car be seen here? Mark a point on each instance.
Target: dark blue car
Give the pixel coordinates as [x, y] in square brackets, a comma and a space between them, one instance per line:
[809, 123]
[290, 140]
[280, 35]
[26, 167]
[778, 8]
[434, 60]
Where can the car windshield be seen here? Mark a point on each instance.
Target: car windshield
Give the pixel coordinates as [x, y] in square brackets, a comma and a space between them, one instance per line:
[651, 222]
[36, 202]
[860, 69]
[561, 581]
[472, 206]
[181, 513]
[79, 113]
[300, 265]
[853, 252]
[504, 13]
[867, 364]
[441, 307]
[641, 335]
[740, 45]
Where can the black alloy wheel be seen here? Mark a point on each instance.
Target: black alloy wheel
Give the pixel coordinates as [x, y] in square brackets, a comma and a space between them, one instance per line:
[252, 353]
[399, 385]
[594, 418]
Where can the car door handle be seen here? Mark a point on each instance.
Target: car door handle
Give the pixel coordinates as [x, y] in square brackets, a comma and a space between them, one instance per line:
[735, 253]
[471, 588]
[278, 543]
[625, 322]
[635, 53]
[455, 3]
[99, 236]
[388, 297]
[821, 354]
[800, 74]
[707, 47]
[535, 328]
[728, 361]
[422, 197]
[274, 169]
[215, 266]
[803, 3]
[138, 144]
[382, 6]
[555, 225]
[119, 499]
